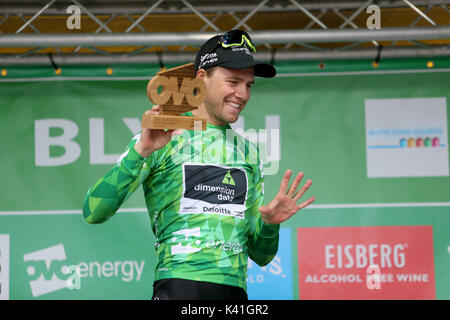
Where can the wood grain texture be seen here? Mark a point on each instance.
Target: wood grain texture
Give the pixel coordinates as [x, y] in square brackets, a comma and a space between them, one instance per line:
[176, 91]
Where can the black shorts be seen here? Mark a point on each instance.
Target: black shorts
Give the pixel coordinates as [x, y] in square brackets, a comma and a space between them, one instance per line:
[181, 289]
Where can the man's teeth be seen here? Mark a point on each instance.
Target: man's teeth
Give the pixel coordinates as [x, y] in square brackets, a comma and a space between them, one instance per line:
[234, 105]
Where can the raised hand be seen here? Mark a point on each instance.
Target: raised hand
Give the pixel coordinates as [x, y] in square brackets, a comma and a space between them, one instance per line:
[284, 205]
[153, 139]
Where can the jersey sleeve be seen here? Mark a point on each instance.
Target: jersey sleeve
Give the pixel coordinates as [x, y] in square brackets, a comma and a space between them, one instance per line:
[106, 196]
[263, 240]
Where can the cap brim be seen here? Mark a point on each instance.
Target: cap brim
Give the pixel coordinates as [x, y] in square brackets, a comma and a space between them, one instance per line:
[261, 69]
[265, 70]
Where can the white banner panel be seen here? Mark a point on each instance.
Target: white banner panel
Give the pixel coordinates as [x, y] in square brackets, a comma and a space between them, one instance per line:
[406, 137]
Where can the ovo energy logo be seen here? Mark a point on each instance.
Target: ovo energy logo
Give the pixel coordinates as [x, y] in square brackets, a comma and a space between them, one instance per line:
[189, 241]
[182, 236]
[48, 272]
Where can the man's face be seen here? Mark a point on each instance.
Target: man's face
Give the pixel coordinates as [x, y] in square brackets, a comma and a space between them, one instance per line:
[227, 93]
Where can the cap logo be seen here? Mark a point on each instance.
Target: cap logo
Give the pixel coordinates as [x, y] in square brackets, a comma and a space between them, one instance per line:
[208, 55]
[247, 51]
[208, 59]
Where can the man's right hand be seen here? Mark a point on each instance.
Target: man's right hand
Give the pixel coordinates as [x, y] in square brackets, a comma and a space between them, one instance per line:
[152, 139]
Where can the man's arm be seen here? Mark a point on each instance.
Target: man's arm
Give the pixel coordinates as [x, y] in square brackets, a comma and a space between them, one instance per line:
[106, 196]
[263, 241]
[263, 244]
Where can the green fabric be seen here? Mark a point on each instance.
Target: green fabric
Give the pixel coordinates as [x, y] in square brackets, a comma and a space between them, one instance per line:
[203, 191]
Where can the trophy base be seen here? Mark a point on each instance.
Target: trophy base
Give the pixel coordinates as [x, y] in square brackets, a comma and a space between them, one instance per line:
[156, 121]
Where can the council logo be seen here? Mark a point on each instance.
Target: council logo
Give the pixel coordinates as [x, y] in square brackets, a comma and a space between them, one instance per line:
[406, 137]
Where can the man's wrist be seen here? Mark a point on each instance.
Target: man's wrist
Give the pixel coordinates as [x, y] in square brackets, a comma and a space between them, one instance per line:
[267, 230]
[144, 152]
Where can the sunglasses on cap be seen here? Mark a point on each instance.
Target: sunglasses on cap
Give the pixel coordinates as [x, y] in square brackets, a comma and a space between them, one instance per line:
[235, 38]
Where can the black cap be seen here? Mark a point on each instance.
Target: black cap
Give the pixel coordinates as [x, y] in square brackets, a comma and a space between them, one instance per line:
[234, 57]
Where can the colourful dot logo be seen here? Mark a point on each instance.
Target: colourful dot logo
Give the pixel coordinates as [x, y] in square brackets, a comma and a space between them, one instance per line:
[403, 143]
[419, 142]
[436, 142]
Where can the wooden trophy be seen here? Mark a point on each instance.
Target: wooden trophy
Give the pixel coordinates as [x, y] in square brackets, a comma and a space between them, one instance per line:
[164, 90]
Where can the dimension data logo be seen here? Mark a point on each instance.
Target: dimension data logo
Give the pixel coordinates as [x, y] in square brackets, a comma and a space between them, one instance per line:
[228, 179]
[49, 270]
[214, 189]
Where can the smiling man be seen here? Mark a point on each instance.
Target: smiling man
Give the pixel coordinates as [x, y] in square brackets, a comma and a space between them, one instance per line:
[227, 95]
[207, 210]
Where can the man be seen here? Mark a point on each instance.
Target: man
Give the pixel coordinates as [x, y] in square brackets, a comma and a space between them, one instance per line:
[206, 203]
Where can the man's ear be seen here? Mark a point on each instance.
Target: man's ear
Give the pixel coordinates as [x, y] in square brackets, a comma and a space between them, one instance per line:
[201, 74]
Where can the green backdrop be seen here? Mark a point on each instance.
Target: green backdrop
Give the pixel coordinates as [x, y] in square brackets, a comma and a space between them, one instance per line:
[322, 132]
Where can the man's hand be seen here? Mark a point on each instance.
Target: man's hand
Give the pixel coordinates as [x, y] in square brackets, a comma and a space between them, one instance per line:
[153, 139]
[285, 204]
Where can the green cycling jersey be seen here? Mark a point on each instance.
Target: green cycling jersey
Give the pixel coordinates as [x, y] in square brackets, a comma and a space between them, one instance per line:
[203, 191]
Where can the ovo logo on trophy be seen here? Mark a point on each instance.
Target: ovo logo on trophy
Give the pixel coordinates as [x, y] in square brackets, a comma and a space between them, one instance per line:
[176, 91]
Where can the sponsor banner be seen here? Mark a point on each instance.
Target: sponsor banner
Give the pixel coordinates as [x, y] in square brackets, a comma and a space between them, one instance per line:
[63, 257]
[71, 132]
[274, 281]
[406, 137]
[49, 271]
[366, 263]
